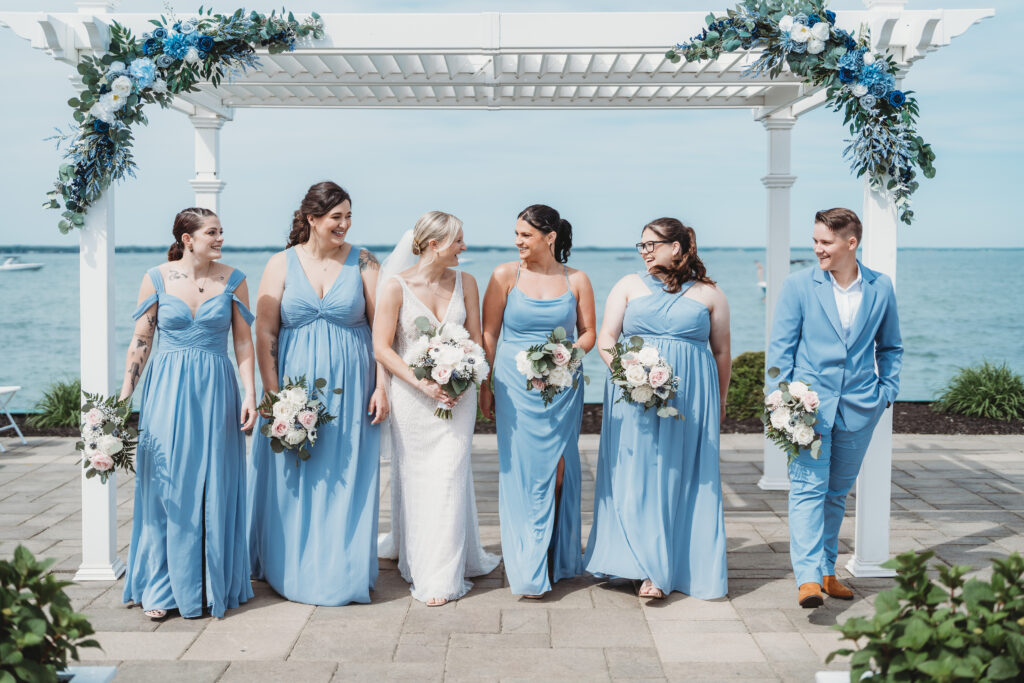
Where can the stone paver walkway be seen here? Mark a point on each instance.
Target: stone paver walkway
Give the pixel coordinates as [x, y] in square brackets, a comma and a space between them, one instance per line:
[960, 496]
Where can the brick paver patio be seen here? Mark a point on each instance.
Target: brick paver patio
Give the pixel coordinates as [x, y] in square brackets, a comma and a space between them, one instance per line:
[960, 496]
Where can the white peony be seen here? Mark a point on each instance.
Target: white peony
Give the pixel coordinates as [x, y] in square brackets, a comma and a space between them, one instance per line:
[192, 56]
[108, 444]
[122, 85]
[820, 31]
[636, 375]
[786, 24]
[525, 367]
[449, 355]
[869, 59]
[798, 389]
[560, 377]
[859, 89]
[101, 462]
[815, 46]
[113, 101]
[102, 112]
[800, 34]
[803, 434]
[642, 393]
[773, 400]
[296, 395]
[780, 418]
[284, 410]
[295, 436]
[648, 355]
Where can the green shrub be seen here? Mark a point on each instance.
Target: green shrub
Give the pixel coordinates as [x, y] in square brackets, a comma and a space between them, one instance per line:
[746, 386]
[949, 630]
[987, 390]
[40, 630]
[60, 406]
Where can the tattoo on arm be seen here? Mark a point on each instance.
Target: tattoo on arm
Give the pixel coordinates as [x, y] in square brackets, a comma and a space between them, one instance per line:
[368, 260]
[151, 322]
[133, 375]
[141, 343]
[273, 353]
[176, 275]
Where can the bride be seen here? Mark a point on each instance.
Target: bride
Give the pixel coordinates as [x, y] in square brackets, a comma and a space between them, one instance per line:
[434, 532]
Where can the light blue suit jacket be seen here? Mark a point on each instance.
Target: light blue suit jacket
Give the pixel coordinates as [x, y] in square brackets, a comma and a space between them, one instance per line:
[808, 344]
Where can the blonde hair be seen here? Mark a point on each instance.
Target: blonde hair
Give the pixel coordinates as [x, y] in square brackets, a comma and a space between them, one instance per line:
[434, 225]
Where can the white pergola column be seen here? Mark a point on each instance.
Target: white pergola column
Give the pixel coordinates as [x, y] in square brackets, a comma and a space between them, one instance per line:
[778, 182]
[99, 371]
[207, 183]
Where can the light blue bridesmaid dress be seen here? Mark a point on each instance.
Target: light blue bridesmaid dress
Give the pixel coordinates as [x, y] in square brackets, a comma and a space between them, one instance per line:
[313, 534]
[658, 499]
[188, 531]
[532, 438]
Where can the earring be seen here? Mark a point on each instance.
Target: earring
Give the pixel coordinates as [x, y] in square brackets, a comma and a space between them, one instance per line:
[190, 248]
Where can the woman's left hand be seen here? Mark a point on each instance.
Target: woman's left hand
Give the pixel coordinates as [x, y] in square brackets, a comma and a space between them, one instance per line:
[379, 406]
[248, 418]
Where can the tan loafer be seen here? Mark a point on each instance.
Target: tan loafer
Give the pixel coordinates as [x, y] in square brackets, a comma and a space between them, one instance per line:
[810, 595]
[832, 587]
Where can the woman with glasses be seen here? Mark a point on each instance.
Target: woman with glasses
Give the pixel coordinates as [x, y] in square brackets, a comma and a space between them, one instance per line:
[658, 500]
[539, 479]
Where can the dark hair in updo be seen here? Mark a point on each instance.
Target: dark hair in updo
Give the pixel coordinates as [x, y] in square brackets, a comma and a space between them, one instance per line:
[546, 219]
[319, 200]
[185, 223]
[688, 265]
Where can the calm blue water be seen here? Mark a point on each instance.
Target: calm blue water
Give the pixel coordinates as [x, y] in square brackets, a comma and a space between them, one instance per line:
[957, 308]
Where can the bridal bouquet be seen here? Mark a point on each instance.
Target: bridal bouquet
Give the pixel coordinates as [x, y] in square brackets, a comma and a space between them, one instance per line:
[449, 357]
[297, 412]
[644, 376]
[107, 440]
[790, 413]
[551, 367]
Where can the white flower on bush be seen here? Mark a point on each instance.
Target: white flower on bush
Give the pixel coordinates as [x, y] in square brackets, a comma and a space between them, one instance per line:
[525, 367]
[101, 462]
[279, 428]
[561, 355]
[869, 59]
[295, 436]
[859, 89]
[648, 355]
[642, 393]
[800, 33]
[636, 375]
[773, 400]
[560, 376]
[815, 46]
[786, 24]
[659, 375]
[797, 389]
[820, 31]
[780, 418]
[94, 417]
[306, 418]
[122, 85]
[108, 444]
[803, 434]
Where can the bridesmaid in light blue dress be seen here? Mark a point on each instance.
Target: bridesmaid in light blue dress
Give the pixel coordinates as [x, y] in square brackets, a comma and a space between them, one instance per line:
[188, 549]
[313, 532]
[658, 500]
[539, 479]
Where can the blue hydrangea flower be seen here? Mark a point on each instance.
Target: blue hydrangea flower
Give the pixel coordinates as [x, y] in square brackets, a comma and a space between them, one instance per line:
[897, 98]
[176, 46]
[160, 33]
[852, 60]
[143, 70]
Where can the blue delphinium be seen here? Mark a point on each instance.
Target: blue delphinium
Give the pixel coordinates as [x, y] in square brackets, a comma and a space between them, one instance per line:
[176, 46]
[897, 98]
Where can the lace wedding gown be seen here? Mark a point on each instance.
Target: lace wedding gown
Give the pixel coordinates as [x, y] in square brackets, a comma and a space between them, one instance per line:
[434, 533]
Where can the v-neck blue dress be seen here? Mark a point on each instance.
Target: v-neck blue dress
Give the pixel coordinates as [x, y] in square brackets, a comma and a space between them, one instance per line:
[658, 492]
[188, 529]
[313, 534]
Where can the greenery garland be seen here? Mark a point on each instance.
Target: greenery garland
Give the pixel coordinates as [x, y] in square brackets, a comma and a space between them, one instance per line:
[802, 34]
[170, 59]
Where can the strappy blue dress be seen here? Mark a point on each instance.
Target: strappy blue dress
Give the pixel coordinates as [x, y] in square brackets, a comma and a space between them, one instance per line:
[188, 545]
[658, 495]
[313, 535]
[532, 438]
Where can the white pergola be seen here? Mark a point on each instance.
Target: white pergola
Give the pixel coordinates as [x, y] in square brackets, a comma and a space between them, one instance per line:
[490, 60]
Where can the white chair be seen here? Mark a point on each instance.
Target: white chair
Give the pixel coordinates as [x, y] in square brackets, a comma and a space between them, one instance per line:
[6, 394]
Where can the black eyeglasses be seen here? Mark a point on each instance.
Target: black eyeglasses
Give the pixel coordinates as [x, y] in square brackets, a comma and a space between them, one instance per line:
[648, 247]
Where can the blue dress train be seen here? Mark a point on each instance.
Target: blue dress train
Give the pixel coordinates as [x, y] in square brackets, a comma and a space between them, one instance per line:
[658, 495]
[313, 534]
[532, 438]
[188, 545]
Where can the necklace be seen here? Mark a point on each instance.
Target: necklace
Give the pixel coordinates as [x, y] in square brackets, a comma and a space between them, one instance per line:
[202, 288]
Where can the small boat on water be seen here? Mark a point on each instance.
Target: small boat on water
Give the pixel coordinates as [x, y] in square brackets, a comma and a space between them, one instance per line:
[14, 263]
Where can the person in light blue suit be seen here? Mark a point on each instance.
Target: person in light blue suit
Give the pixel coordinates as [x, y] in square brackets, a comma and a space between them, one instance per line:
[835, 328]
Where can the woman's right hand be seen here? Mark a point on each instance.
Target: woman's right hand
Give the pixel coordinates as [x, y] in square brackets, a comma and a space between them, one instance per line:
[487, 400]
[263, 413]
[434, 391]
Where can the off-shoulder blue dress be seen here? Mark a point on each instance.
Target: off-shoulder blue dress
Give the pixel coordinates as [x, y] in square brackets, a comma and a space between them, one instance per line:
[188, 546]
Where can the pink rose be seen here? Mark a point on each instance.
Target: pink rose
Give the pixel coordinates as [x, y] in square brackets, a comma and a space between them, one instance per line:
[810, 401]
[538, 384]
[94, 417]
[441, 374]
[101, 462]
[307, 418]
[561, 355]
[279, 428]
[774, 400]
[658, 376]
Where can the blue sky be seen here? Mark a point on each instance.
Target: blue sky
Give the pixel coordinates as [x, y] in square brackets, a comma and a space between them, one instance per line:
[607, 172]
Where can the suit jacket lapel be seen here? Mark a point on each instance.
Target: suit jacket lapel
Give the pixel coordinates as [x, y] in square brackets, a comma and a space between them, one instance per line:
[828, 301]
[868, 295]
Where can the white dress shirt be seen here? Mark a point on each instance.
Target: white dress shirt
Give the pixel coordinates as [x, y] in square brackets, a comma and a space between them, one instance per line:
[848, 301]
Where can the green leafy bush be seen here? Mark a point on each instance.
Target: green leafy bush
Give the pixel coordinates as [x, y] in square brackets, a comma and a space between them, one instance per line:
[746, 386]
[949, 630]
[987, 390]
[60, 406]
[39, 629]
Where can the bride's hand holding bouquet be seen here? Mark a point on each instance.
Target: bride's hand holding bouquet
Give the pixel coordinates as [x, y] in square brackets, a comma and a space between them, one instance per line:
[447, 363]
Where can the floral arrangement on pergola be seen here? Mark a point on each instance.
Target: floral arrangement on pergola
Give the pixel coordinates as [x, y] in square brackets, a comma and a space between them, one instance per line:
[802, 34]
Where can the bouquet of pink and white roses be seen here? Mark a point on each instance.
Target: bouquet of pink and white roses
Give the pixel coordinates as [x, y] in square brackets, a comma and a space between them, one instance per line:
[294, 414]
[790, 413]
[551, 367]
[449, 357]
[107, 440]
[644, 376]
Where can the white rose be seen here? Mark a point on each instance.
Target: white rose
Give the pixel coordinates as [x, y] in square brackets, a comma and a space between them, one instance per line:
[449, 355]
[102, 112]
[113, 101]
[560, 377]
[659, 376]
[307, 418]
[797, 389]
[441, 374]
[780, 418]
[94, 417]
[803, 434]
[800, 34]
[773, 400]
[561, 355]
[786, 24]
[160, 86]
[108, 444]
[101, 462]
[296, 395]
[641, 394]
[122, 85]
[295, 436]
[636, 375]
[869, 59]
[859, 89]
[284, 410]
[820, 31]
[815, 46]
[192, 56]
[648, 355]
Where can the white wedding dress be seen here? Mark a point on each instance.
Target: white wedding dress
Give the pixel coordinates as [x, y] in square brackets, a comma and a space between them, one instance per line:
[434, 533]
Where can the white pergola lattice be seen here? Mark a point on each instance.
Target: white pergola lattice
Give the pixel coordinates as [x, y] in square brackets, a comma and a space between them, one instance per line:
[490, 60]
